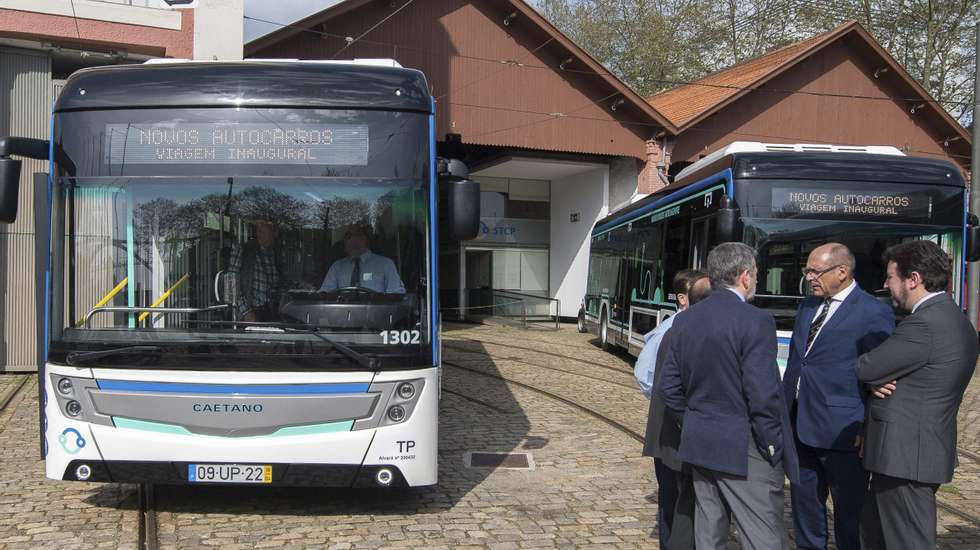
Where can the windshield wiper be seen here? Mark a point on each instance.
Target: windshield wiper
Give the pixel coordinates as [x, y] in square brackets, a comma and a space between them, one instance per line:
[362, 359]
[77, 357]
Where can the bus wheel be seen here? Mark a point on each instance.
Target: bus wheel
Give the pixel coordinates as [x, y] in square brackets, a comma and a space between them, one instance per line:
[581, 323]
[604, 333]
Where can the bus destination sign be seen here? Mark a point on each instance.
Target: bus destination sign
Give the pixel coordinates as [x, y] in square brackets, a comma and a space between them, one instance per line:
[812, 202]
[251, 143]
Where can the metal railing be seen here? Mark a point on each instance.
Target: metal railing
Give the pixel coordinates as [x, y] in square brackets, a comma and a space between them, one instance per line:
[532, 314]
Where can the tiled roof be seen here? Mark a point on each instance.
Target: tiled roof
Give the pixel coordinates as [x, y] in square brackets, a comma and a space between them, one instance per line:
[689, 101]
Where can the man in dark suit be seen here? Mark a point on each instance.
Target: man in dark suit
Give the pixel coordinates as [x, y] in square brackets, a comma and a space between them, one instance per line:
[721, 380]
[675, 489]
[833, 327]
[910, 435]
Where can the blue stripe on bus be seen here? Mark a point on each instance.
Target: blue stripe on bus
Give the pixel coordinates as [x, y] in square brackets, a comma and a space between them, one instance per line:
[680, 193]
[433, 240]
[249, 389]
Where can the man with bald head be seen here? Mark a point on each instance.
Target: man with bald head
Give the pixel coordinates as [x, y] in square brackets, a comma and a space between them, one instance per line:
[833, 328]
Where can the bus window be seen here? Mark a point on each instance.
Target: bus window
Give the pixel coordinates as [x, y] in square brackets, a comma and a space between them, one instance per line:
[701, 232]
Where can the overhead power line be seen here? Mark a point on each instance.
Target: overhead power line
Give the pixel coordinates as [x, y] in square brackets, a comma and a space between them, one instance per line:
[352, 41]
[589, 72]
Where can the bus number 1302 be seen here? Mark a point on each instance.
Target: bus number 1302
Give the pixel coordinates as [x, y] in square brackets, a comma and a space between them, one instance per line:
[400, 337]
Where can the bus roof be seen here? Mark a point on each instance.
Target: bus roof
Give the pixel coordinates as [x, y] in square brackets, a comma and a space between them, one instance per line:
[857, 167]
[759, 147]
[298, 84]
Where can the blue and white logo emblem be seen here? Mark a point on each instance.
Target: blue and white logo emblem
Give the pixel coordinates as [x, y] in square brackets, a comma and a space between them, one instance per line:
[71, 445]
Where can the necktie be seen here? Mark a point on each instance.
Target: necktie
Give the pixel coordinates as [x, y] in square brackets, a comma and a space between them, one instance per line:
[818, 322]
[355, 276]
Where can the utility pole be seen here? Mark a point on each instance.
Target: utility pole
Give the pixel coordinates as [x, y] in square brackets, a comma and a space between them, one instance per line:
[973, 277]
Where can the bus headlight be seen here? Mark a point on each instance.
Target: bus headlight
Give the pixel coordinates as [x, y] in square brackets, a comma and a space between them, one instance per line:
[74, 408]
[406, 391]
[65, 386]
[396, 413]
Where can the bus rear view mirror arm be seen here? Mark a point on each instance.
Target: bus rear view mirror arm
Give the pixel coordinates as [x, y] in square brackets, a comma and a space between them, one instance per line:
[10, 171]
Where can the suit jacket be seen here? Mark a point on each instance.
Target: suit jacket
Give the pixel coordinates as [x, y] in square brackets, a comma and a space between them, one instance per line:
[720, 376]
[911, 434]
[663, 435]
[830, 406]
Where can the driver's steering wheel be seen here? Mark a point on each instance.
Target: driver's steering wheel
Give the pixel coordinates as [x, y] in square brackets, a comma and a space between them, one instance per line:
[357, 290]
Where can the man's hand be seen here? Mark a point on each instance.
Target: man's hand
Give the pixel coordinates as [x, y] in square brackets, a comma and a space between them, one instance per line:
[885, 390]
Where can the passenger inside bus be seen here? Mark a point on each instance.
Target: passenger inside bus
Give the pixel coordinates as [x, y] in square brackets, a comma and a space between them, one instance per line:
[361, 268]
[258, 265]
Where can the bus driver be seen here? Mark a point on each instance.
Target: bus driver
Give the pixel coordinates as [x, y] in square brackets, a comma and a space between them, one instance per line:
[362, 268]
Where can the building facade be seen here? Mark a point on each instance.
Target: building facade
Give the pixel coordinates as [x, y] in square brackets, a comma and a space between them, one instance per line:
[557, 142]
[839, 87]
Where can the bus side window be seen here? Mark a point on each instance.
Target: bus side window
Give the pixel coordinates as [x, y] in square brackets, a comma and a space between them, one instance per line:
[702, 231]
[676, 250]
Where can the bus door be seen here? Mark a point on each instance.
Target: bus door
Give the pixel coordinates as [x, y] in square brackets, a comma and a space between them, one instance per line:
[619, 300]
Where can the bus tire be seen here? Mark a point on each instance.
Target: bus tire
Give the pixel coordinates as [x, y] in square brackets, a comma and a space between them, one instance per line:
[604, 332]
[581, 323]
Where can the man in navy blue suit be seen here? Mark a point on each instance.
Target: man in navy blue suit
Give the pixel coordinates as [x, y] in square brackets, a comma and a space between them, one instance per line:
[826, 400]
[721, 381]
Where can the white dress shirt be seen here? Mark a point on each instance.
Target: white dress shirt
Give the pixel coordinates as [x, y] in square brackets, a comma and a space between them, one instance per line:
[836, 301]
[378, 273]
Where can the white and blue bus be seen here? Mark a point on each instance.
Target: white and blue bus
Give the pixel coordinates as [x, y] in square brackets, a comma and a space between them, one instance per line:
[782, 200]
[192, 213]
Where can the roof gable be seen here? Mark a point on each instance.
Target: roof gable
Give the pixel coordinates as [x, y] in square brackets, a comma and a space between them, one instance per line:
[517, 7]
[689, 104]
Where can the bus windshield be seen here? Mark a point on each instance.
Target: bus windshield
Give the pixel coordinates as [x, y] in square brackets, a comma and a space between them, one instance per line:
[784, 245]
[264, 237]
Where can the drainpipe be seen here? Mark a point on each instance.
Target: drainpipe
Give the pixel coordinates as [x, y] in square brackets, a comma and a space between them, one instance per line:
[664, 162]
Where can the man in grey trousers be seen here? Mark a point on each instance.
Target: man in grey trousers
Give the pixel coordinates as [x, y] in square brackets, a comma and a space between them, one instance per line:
[721, 382]
[910, 435]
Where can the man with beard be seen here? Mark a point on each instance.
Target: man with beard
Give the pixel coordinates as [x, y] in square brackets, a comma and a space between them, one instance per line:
[910, 435]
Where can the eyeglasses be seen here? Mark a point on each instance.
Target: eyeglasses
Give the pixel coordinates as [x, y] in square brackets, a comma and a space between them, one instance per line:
[817, 273]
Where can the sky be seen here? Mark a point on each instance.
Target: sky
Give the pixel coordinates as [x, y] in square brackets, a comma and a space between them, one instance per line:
[279, 11]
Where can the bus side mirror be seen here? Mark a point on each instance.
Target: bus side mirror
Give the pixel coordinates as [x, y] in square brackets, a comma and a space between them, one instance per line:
[464, 209]
[463, 204]
[729, 226]
[972, 238]
[9, 189]
[10, 170]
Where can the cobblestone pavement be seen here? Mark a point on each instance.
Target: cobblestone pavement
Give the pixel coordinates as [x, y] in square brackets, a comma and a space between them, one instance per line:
[589, 488]
[38, 513]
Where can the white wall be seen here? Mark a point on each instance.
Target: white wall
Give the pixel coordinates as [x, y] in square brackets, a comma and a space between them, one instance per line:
[587, 194]
[623, 180]
[218, 29]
